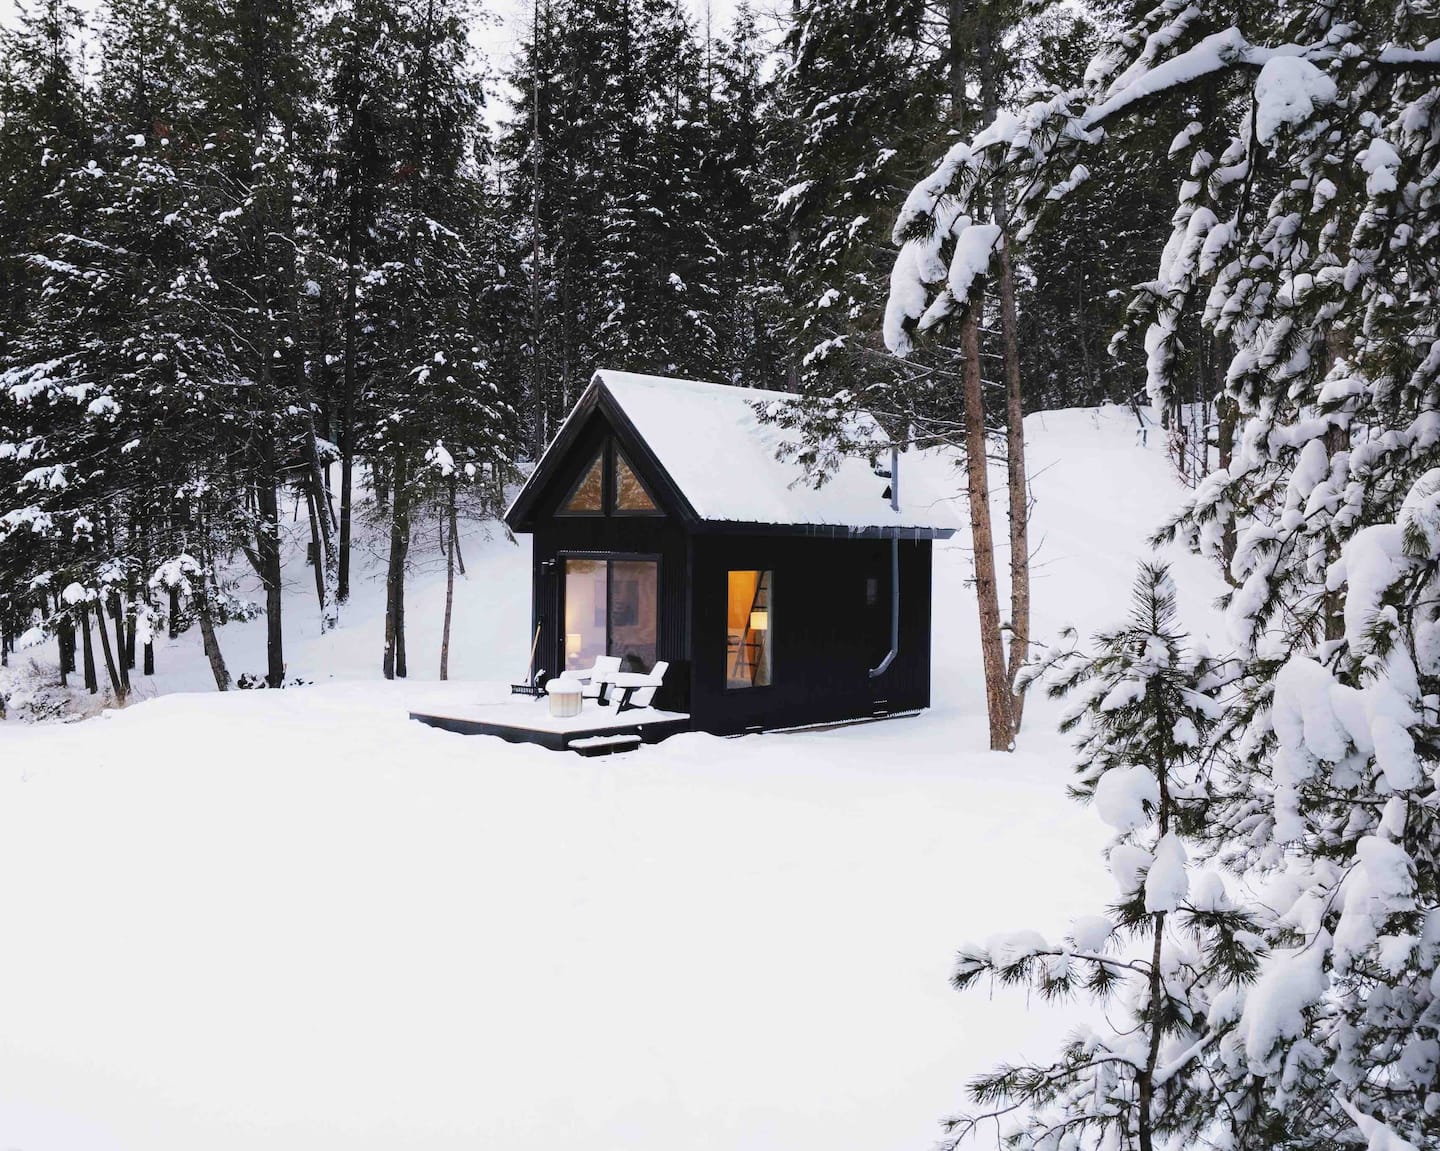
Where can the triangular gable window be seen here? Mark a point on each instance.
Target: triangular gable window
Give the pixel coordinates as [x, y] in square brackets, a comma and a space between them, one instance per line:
[630, 494]
[588, 497]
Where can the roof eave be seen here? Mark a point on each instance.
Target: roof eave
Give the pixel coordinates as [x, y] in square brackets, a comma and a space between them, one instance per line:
[831, 531]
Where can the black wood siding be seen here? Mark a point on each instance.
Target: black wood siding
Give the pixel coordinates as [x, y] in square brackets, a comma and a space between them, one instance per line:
[826, 635]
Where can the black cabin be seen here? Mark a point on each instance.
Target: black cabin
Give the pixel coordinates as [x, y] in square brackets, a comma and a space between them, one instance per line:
[665, 528]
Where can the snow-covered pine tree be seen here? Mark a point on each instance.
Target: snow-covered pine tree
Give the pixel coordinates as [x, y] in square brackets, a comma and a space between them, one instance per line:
[553, 152]
[1169, 957]
[659, 256]
[738, 176]
[255, 95]
[440, 417]
[45, 142]
[1075, 281]
[863, 102]
[1305, 241]
[363, 100]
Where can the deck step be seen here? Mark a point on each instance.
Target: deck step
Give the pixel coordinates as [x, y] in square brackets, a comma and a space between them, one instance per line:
[605, 744]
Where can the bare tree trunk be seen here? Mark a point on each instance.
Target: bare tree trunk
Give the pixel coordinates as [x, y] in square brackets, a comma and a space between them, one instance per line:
[117, 620]
[956, 60]
[455, 538]
[992, 647]
[207, 636]
[119, 685]
[65, 632]
[322, 532]
[347, 419]
[450, 551]
[92, 681]
[1010, 708]
[315, 554]
[130, 623]
[1227, 412]
[117, 614]
[267, 549]
[1155, 1011]
[394, 661]
[1018, 487]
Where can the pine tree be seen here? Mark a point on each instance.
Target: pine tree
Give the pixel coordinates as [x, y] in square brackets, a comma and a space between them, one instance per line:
[1302, 248]
[864, 104]
[739, 177]
[444, 408]
[1173, 951]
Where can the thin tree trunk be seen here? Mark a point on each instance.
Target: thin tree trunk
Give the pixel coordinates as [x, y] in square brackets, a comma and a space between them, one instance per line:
[987, 43]
[92, 681]
[117, 619]
[1337, 439]
[394, 661]
[322, 532]
[317, 560]
[207, 637]
[450, 552]
[992, 647]
[117, 615]
[347, 416]
[956, 60]
[130, 622]
[267, 547]
[1227, 412]
[120, 688]
[1018, 488]
[455, 538]
[65, 633]
[1145, 1079]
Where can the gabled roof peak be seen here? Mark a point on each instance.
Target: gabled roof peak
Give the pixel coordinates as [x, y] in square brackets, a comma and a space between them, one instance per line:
[728, 464]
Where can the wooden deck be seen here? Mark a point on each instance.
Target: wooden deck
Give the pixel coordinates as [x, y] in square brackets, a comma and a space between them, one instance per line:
[596, 729]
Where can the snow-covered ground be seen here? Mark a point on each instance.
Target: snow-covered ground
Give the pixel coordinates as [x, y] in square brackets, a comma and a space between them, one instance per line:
[296, 920]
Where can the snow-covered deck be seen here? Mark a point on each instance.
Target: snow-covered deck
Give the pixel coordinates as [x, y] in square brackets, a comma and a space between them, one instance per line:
[518, 719]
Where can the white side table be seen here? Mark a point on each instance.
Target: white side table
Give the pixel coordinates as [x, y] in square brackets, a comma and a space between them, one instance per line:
[565, 697]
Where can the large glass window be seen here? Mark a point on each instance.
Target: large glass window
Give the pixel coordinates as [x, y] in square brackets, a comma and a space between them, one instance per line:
[612, 607]
[634, 612]
[624, 493]
[748, 622]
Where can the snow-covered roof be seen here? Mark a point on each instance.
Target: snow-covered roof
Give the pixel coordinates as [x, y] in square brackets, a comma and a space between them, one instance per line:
[723, 459]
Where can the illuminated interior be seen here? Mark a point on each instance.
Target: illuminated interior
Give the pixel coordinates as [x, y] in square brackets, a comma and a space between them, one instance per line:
[748, 628]
[630, 493]
[589, 494]
[611, 608]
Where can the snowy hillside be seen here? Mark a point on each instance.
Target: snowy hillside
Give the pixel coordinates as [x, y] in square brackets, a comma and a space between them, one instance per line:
[295, 919]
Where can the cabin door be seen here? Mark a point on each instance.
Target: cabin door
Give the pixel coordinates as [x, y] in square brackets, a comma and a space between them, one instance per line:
[612, 607]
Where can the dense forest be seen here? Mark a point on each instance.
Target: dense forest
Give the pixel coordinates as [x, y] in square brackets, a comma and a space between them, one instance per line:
[282, 251]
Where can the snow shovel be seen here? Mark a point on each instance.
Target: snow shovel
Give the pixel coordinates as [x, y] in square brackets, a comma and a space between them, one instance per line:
[531, 686]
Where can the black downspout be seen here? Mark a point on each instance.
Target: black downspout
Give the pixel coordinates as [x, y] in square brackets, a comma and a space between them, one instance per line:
[884, 665]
